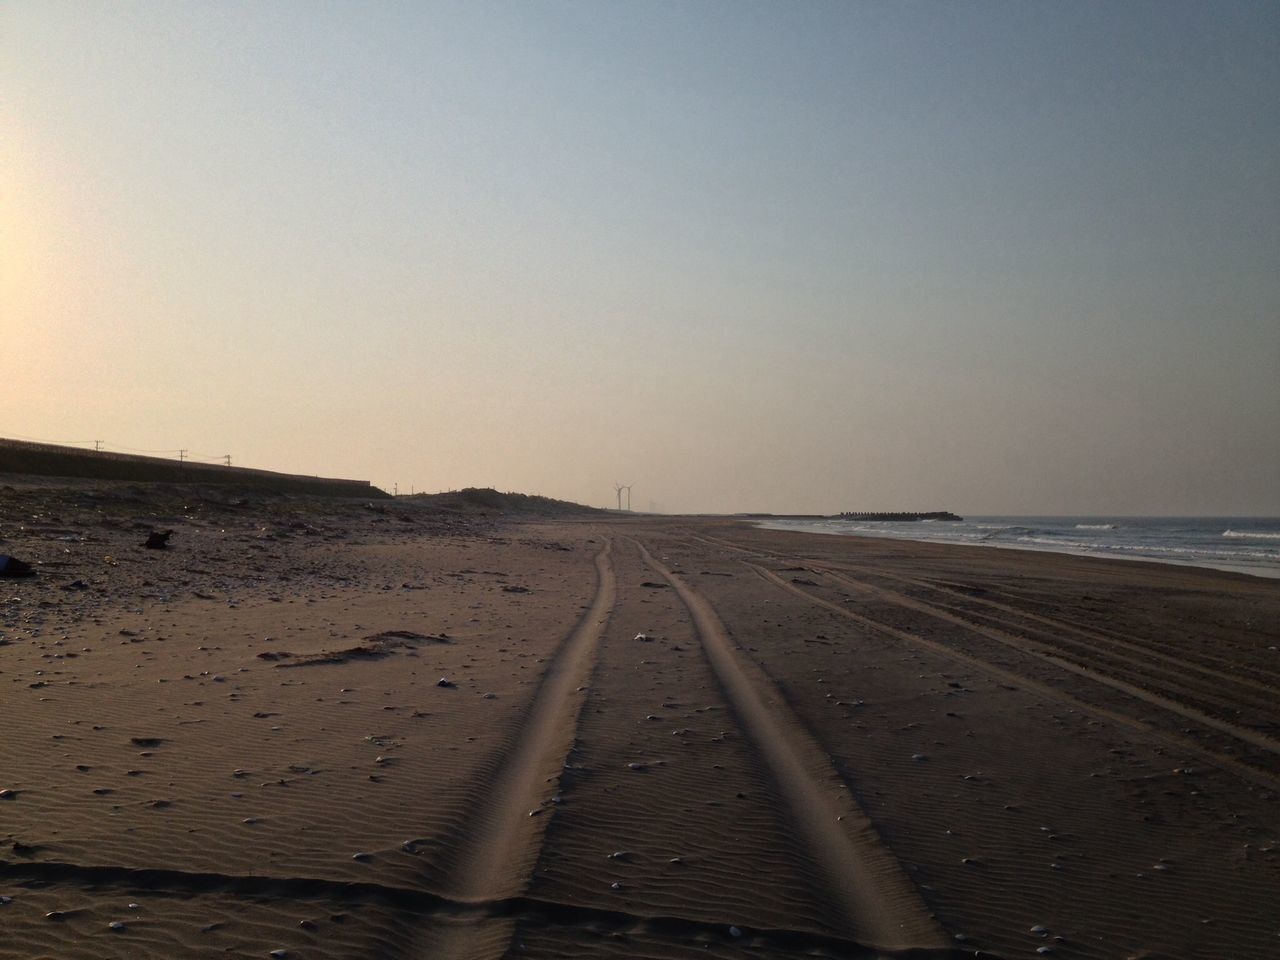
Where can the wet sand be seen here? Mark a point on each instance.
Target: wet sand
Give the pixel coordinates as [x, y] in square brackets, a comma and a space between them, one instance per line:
[654, 738]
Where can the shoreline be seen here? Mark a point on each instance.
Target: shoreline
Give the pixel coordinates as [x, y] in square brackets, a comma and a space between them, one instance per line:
[1266, 572]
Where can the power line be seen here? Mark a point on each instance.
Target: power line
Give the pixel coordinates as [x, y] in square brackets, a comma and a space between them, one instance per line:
[184, 454]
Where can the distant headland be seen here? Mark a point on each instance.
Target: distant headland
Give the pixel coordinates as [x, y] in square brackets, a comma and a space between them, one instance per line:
[936, 515]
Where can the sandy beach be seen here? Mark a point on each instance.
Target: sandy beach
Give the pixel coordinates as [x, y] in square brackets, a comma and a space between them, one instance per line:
[346, 730]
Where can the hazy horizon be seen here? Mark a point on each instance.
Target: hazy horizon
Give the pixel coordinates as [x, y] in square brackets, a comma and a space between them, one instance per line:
[1004, 259]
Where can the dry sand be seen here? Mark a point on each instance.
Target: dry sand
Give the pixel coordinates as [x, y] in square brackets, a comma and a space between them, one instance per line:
[658, 738]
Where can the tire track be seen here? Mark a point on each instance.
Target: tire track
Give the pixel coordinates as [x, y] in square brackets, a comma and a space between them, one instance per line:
[1228, 764]
[506, 831]
[423, 905]
[866, 881]
[1034, 649]
[1190, 682]
[1174, 666]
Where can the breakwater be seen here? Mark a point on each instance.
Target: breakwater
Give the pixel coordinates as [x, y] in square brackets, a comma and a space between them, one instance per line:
[900, 517]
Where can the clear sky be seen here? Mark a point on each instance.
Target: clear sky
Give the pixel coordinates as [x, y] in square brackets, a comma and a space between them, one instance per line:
[1007, 258]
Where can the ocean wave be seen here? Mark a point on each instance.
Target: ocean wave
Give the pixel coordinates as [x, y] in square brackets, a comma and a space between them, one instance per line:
[1095, 526]
[1018, 533]
[1251, 535]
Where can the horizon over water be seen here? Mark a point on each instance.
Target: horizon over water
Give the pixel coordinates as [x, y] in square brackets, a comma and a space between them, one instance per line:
[1237, 544]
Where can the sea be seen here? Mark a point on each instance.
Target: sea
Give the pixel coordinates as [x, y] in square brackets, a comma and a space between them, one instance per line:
[1240, 544]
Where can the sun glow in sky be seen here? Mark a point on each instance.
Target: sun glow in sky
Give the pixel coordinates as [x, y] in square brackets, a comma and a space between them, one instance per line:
[1005, 258]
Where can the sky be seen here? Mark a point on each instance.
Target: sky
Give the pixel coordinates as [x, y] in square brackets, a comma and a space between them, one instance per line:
[996, 258]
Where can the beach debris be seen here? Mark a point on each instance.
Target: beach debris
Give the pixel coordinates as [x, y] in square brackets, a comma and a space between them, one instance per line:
[654, 586]
[75, 585]
[512, 588]
[445, 682]
[158, 540]
[373, 648]
[8, 794]
[56, 915]
[278, 954]
[116, 925]
[4, 901]
[13, 567]
[644, 638]
[735, 932]
[362, 857]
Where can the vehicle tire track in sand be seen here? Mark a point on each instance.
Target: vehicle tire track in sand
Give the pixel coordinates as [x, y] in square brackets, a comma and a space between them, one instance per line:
[1178, 667]
[498, 856]
[1174, 666]
[865, 879]
[1027, 647]
[1228, 764]
[1032, 648]
[421, 905]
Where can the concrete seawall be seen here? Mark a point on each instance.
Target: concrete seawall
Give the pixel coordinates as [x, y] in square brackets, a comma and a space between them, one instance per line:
[45, 459]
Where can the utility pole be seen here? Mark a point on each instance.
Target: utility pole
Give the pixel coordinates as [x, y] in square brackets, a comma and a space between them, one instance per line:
[395, 489]
[182, 455]
[227, 459]
[97, 444]
[629, 497]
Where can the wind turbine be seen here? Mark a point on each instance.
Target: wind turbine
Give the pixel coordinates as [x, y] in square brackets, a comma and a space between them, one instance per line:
[618, 488]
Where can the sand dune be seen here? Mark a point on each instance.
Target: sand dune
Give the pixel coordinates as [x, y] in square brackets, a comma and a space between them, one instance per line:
[349, 731]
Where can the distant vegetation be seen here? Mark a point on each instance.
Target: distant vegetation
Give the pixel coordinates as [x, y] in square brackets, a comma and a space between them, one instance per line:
[485, 500]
